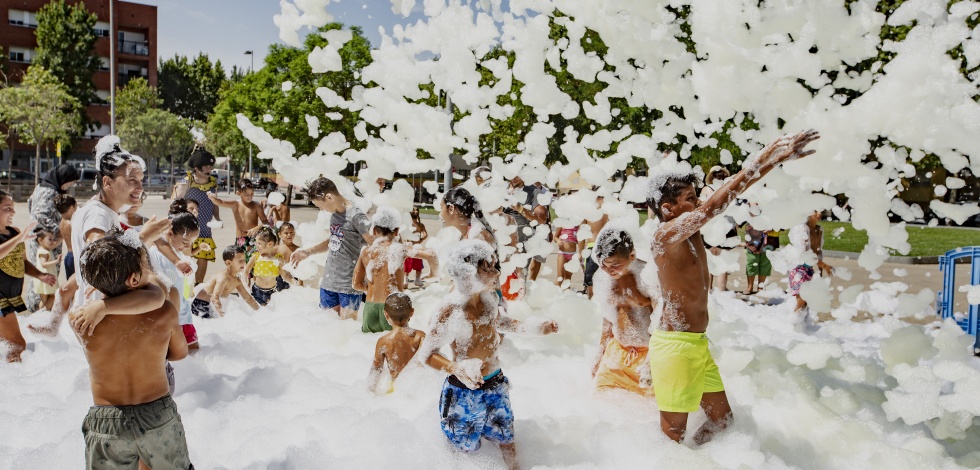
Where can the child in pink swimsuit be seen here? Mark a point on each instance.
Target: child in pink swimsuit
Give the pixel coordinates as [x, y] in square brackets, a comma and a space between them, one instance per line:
[567, 248]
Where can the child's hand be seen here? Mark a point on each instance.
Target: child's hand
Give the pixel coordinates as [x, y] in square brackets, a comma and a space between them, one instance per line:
[28, 233]
[184, 267]
[204, 247]
[549, 327]
[254, 230]
[154, 229]
[297, 256]
[85, 318]
[825, 269]
[468, 372]
[48, 279]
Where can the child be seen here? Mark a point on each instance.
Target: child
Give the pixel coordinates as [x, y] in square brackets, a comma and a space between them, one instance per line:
[380, 269]
[47, 241]
[265, 266]
[626, 303]
[249, 217]
[415, 264]
[209, 300]
[567, 249]
[475, 402]
[276, 213]
[809, 237]
[684, 374]
[66, 206]
[757, 264]
[287, 237]
[14, 265]
[134, 418]
[183, 232]
[398, 346]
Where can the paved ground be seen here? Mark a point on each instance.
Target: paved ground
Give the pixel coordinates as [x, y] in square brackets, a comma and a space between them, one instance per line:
[916, 276]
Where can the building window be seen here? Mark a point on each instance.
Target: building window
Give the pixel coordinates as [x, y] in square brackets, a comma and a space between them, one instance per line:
[104, 64]
[101, 29]
[21, 18]
[21, 55]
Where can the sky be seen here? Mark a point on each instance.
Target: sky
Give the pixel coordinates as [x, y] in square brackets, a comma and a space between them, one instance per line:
[225, 29]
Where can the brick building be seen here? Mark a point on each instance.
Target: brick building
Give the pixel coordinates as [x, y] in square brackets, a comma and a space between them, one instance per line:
[135, 41]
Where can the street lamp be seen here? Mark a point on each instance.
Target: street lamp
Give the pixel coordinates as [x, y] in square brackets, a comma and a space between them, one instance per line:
[251, 69]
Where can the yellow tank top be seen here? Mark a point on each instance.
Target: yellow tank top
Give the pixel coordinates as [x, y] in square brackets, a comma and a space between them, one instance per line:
[266, 267]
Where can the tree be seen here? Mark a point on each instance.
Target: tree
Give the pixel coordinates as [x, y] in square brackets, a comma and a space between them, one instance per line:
[190, 88]
[66, 48]
[158, 135]
[38, 110]
[136, 98]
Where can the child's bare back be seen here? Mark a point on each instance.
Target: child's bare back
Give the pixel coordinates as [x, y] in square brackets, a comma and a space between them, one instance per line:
[398, 347]
[379, 271]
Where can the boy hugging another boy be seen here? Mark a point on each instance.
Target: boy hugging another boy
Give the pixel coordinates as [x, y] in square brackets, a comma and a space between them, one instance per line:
[134, 418]
[212, 295]
[475, 402]
[684, 374]
[397, 347]
[380, 269]
[626, 303]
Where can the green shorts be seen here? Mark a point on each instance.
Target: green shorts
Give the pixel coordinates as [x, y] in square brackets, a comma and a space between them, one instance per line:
[757, 264]
[682, 370]
[121, 436]
[373, 318]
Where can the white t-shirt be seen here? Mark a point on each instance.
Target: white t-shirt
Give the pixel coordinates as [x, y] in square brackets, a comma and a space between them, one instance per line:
[93, 215]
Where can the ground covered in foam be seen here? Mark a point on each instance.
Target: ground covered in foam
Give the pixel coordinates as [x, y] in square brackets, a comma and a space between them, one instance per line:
[286, 388]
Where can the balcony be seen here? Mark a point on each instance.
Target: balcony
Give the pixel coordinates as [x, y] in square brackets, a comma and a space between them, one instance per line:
[134, 47]
[20, 23]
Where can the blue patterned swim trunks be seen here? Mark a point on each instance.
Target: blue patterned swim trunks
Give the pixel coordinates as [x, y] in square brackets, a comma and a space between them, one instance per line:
[469, 415]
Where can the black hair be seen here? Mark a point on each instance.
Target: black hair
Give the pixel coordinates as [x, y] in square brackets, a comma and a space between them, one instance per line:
[111, 161]
[200, 157]
[669, 190]
[398, 306]
[320, 187]
[184, 222]
[230, 251]
[287, 224]
[467, 204]
[64, 202]
[192, 201]
[42, 231]
[613, 242]
[244, 184]
[267, 234]
[108, 262]
[384, 231]
[4, 194]
[178, 206]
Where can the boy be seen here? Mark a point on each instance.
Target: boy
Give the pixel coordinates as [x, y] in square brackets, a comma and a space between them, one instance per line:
[380, 269]
[475, 402]
[398, 346]
[757, 264]
[66, 206]
[808, 237]
[248, 214]
[134, 419]
[208, 303]
[626, 304]
[684, 374]
[350, 230]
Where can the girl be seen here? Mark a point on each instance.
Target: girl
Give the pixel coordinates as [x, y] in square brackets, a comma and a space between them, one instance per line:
[47, 261]
[183, 231]
[13, 266]
[567, 249]
[415, 264]
[264, 266]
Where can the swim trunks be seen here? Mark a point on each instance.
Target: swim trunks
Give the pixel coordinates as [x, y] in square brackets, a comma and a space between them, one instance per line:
[757, 264]
[69, 264]
[619, 368]
[330, 299]
[373, 319]
[799, 276]
[118, 437]
[190, 334]
[682, 370]
[203, 309]
[469, 415]
[413, 264]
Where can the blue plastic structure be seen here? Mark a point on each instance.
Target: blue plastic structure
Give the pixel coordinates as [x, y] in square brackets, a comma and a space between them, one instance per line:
[944, 300]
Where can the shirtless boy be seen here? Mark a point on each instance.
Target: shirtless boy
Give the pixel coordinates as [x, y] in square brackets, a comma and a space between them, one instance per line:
[380, 269]
[626, 304]
[398, 346]
[124, 355]
[684, 374]
[475, 402]
[66, 206]
[248, 213]
[208, 302]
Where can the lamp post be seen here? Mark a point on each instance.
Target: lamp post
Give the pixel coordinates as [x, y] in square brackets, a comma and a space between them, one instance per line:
[251, 69]
[112, 68]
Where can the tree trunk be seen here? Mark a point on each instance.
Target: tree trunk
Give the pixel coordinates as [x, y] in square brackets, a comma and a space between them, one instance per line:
[37, 164]
[289, 195]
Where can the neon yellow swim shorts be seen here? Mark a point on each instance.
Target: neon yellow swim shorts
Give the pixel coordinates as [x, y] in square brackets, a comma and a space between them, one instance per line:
[682, 370]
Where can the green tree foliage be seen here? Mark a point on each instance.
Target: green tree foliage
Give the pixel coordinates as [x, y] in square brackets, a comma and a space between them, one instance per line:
[189, 88]
[66, 48]
[260, 93]
[136, 98]
[157, 134]
[39, 110]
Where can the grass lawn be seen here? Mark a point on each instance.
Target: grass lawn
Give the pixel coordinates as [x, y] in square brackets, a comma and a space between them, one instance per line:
[925, 241]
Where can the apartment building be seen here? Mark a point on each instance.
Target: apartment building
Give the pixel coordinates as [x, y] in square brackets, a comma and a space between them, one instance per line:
[134, 38]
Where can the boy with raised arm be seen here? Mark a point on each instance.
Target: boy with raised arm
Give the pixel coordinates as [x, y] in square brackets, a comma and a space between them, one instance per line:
[134, 418]
[626, 305]
[398, 346]
[475, 402]
[380, 269]
[249, 216]
[684, 374]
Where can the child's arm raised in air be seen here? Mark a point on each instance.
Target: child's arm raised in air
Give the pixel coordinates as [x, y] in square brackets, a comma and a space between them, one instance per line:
[377, 367]
[21, 237]
[782, 149]
[360, 274]
[87, 317]
[221, 202]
